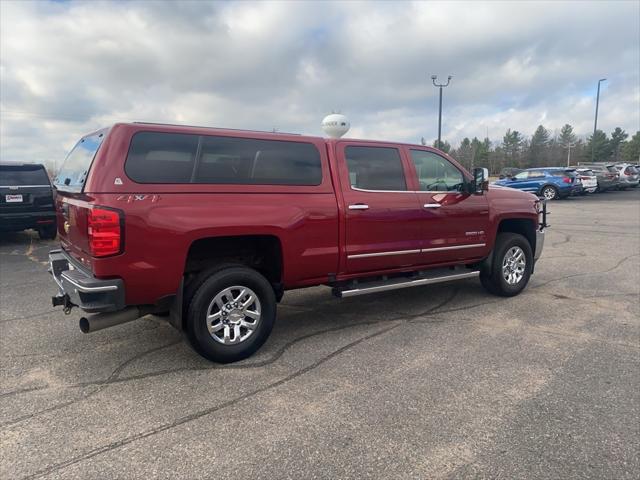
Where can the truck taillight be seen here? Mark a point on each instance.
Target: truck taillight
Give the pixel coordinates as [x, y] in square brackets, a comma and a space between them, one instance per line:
[104, 232]
[566, 180]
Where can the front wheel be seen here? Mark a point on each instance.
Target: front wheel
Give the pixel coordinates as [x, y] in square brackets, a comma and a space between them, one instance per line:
[231, 314]
[549, 193]
[511, 266]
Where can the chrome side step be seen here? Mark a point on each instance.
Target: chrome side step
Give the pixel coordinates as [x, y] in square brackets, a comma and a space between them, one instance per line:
[427, 278]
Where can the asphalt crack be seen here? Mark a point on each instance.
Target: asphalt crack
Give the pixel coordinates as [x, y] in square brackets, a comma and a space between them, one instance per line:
[196, 415]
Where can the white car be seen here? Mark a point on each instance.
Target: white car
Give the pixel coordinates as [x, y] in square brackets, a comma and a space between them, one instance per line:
[588, 179]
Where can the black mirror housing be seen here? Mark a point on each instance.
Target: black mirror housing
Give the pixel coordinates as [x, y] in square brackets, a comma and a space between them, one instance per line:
[480, 180]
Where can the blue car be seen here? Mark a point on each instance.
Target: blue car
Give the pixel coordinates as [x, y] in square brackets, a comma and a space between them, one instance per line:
[550, 182]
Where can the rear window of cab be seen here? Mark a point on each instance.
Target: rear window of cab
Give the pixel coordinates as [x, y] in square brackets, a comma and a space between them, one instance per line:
[156, 157]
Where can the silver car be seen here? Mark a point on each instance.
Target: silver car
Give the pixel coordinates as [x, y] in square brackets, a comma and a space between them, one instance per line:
[607, 175]
[628, 175]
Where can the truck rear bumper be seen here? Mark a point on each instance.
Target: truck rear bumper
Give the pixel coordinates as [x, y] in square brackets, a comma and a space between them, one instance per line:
[77, 287]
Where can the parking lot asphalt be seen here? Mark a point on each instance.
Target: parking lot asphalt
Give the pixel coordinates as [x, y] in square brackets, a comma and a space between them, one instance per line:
[429, 382]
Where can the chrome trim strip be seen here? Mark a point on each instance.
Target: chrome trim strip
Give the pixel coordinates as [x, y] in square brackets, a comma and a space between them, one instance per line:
[383, 254]
[404, 191]
[432, 205]
[23, 186]
[106, 288]
[408, 252]
[381, 191]
[411, 283]
[453, 247]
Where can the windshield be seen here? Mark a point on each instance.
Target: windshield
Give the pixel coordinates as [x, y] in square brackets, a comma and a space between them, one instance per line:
[23, 175]
[75, 168]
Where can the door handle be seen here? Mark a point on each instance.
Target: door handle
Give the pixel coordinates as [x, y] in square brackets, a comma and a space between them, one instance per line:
[432, 205]
[359, 206]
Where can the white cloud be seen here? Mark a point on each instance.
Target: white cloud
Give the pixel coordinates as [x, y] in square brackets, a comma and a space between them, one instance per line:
[68, 68]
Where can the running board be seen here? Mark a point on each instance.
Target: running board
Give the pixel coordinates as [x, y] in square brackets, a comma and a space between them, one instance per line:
[427, 278]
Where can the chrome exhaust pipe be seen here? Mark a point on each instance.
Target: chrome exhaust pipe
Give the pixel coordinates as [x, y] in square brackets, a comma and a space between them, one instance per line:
[99, 321]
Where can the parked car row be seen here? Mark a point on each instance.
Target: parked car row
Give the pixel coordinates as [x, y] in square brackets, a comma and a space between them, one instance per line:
[561, 182]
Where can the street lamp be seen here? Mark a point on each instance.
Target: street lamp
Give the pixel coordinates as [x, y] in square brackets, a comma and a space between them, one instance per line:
[569, 146]
[595, 123]
[440, 86]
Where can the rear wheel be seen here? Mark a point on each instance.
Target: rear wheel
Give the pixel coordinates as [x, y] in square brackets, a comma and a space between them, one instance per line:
[48, 233]
[549, 193]
[511, 267]
[231, 314]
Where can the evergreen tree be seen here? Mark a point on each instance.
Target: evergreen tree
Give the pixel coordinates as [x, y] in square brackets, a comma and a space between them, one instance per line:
[480, 153]
[631, 149]
[600, 145]
[445, 147]
[618, 137]
[538, 147]
[567, 136]
[512, 144]
[465, 153]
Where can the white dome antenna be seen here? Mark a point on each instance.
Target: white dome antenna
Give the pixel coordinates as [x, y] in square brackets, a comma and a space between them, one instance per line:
[335, 125]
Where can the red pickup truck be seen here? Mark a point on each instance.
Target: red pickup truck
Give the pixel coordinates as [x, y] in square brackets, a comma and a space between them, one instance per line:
[211, 226]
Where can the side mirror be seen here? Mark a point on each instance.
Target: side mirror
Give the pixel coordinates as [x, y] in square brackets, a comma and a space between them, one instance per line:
[480, 180]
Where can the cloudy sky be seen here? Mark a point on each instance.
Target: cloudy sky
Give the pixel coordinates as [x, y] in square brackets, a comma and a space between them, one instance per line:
[70, 67]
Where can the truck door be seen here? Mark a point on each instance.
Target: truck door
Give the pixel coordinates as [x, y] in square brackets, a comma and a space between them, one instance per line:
[383, 216]
[454, 223]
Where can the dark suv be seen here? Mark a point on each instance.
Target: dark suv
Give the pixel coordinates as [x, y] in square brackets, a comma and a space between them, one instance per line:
[26, 199]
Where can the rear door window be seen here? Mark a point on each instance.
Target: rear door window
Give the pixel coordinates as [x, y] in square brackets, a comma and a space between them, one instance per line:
[536, 174]
[184, 158]
[23, 175]
[375, 168]
[75, 167]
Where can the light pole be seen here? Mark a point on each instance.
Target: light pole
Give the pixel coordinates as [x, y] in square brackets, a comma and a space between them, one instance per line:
[595, 123]
[569, 146]
[440, 86]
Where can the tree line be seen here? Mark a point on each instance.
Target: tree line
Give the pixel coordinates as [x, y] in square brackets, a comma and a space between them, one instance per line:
[543, 149]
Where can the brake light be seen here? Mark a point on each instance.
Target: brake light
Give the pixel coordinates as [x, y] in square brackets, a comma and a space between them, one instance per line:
[566, 179]
[104, 232]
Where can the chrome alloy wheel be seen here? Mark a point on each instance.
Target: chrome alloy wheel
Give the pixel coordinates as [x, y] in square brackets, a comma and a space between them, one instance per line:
[549, 193]
[233, 315]
[513, 265]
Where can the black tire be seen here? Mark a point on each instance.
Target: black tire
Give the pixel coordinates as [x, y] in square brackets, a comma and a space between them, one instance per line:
[549, 188]
[48, 233]
[197, 330]
[494, 281]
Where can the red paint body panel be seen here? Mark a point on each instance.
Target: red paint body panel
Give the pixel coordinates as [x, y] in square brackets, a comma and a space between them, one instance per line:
[316, 229]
